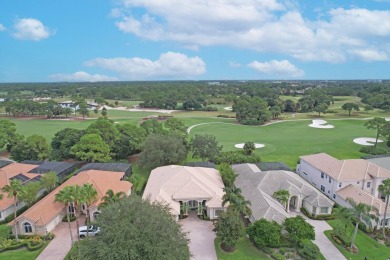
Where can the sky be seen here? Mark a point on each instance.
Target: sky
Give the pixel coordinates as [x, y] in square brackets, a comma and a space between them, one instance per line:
[125, 40]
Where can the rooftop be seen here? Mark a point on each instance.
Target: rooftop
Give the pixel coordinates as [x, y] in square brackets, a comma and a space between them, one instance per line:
[346, 170]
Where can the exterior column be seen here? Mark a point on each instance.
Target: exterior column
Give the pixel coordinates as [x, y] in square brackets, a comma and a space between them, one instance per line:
[288, 205]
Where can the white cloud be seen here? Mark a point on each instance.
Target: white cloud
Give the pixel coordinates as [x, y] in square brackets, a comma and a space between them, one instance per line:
[2, 27]
[278, 68]
[169, 64]
[370, 55]
[260, 25]
[30, 29]
[81, 76]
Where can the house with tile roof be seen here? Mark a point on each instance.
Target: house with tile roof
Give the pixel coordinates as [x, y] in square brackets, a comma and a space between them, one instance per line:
[26, 172]
[341, 179]
[258, 187]
[185, 188]
[44, 216]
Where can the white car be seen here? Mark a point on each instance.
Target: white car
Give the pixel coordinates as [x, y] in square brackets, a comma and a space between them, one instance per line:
[92, 231]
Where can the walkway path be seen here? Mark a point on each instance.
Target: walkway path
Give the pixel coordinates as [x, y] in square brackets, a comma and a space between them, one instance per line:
[326, 247]
[61, 244]
[201, 235]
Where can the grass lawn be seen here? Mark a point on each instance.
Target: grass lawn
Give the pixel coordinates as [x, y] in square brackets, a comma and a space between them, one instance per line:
[21, 254]
[286, 141]
[244, 251]
[367, 246]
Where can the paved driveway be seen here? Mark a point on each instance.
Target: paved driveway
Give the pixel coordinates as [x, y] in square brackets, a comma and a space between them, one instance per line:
[201, 237]
[61, 244]
[327, 248]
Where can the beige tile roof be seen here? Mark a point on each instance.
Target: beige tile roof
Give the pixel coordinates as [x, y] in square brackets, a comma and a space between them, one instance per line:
[9, 171]
[171, 184]
[346, 170]
[361, 196]
[258, 187]
[46, 209]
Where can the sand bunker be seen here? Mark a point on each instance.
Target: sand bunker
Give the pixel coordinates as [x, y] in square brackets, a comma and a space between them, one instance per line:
[242, 145]
[228, 108]
[368, 141]
[318, 123]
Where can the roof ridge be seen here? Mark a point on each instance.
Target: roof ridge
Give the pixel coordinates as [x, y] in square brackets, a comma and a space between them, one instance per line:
[342, 166]
[366, 173]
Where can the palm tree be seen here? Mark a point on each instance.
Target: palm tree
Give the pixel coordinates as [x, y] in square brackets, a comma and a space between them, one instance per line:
[231, 194]
[384, 189]
[14, 190]
[283, 196]
[236, 200]
[111, 197]
[359, 213]
[78, 200]
[65, 196]
[89, 194]
[49, 181]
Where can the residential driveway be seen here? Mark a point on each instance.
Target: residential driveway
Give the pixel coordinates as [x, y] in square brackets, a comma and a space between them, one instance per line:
[327, 248]
[201, 237]
[61, 244]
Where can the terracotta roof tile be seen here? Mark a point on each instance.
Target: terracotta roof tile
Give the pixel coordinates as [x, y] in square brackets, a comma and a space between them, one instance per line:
[9, 171]
[46, 209]
[361, 196]
[346, 170]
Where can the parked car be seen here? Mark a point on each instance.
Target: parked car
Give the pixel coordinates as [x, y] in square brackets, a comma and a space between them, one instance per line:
[92, 231]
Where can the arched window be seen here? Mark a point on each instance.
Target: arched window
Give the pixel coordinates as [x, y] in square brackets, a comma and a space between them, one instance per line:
[27, 227]
[96, 214]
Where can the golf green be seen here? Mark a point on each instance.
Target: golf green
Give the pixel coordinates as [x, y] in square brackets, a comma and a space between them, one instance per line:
[286, 141]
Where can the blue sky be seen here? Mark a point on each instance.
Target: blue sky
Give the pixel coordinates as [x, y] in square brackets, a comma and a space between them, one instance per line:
[99, 40]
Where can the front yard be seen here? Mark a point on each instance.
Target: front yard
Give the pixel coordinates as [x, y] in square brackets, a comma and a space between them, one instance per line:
[244, 250]
[22, 254]
[367, 246]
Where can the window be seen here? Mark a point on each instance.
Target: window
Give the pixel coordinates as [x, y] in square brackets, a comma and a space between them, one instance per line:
[358, 182]
[71, 209]
[322, 175]
[334, 196]
[324, 210]
[340, 184]
[217, 212]
[328, 191]
[330, 180]
[314, 210]
[27, 227]
[1, 215]
[322, 188]
[368, 184]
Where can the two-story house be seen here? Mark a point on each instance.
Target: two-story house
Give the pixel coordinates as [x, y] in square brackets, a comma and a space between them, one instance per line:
[340, 179]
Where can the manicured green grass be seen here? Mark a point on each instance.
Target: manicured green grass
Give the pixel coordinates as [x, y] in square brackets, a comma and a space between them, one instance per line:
[244, 251]
[287, 141]
[21, 254]
[367, 246]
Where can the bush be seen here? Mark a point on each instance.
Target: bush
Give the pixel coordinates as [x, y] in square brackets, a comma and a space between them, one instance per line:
[308, 250]
[31, 246]
[71, 218]
[282, 251]
[374, 150]
[251, 122]
[278, 256]
[233, 157]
